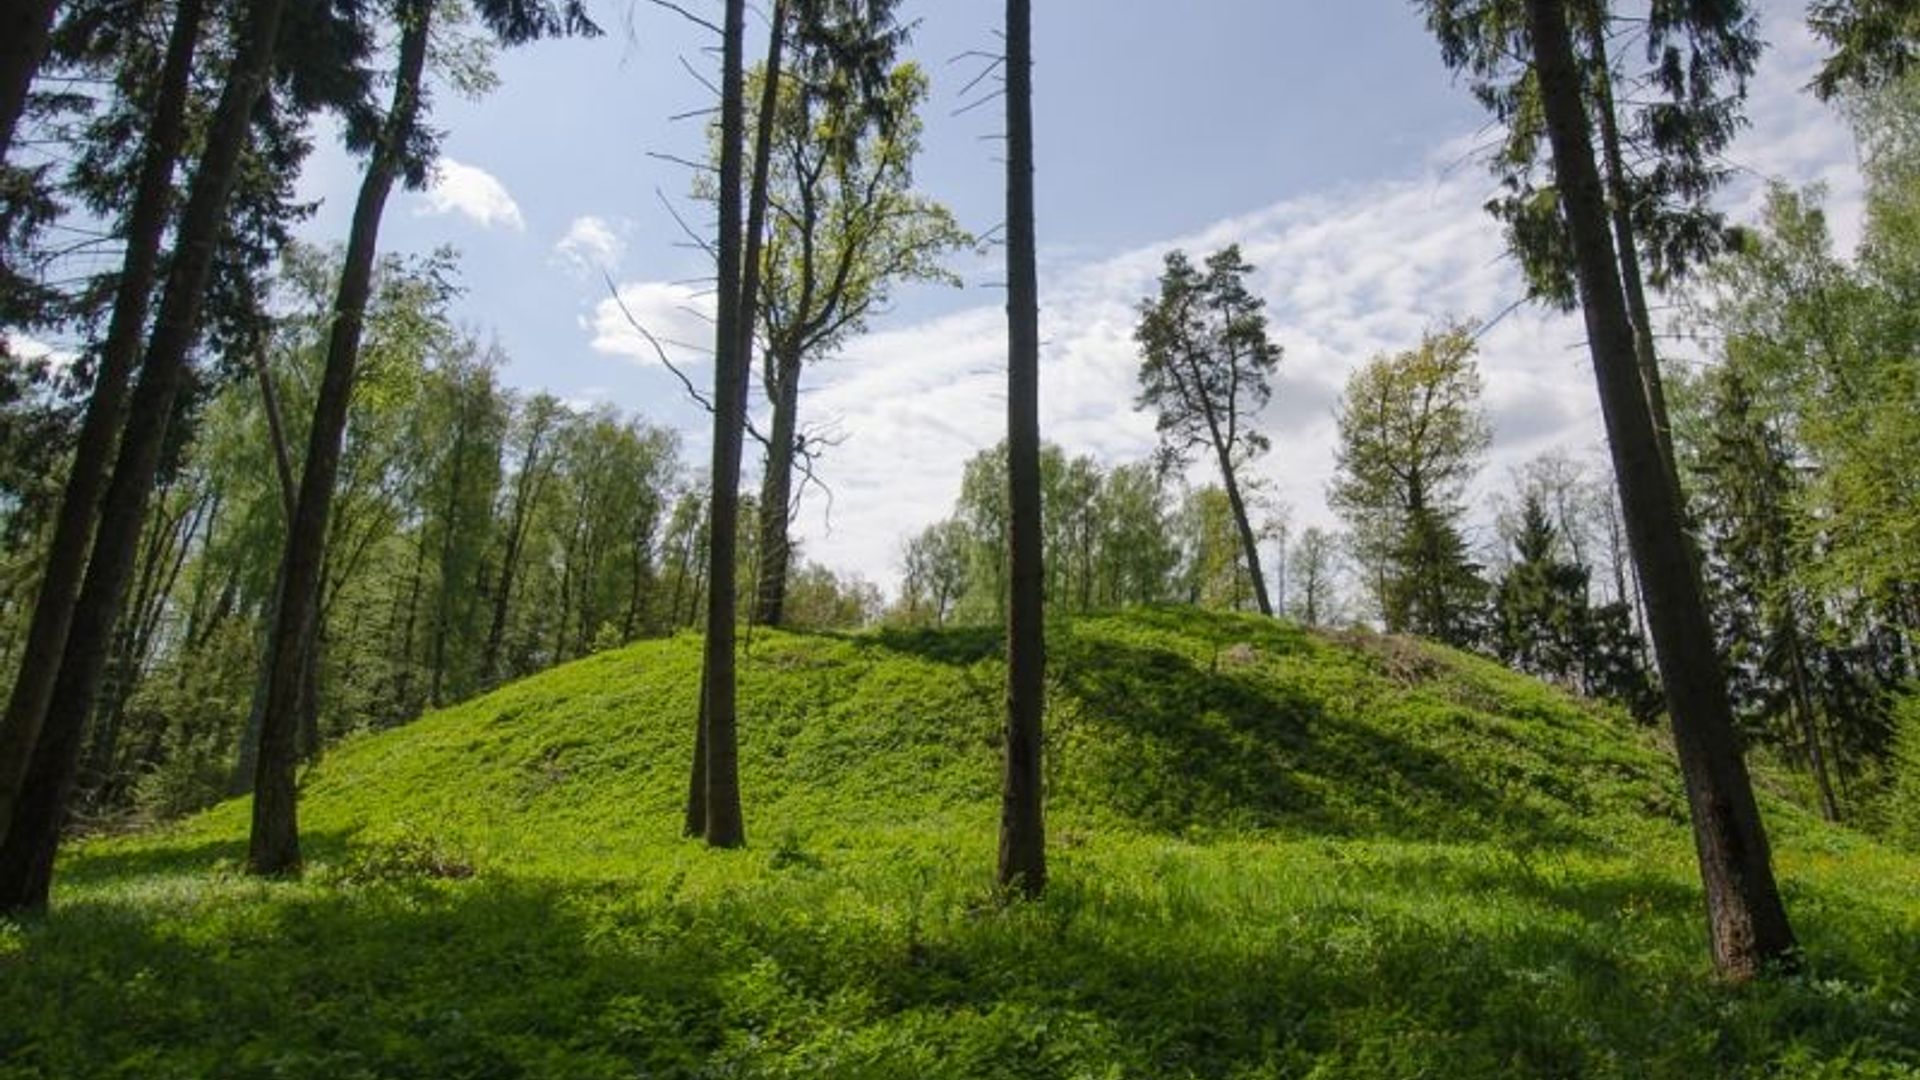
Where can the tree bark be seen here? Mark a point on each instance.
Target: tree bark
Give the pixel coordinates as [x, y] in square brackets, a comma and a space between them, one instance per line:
[28, 24]
[776, 493]
[26, 858]
[274, 845]
[53, 608]
[1023, 846]
[1620, 209]
[1248, 543]
[771, 586]
[1747, 922]
[724, 825]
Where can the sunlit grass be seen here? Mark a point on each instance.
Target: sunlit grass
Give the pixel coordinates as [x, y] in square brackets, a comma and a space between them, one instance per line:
[1274, 854]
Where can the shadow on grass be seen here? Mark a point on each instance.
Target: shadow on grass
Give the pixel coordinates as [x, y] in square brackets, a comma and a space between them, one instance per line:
[488, 978]
[1172, 746]
[503, 977]
[962, 646]
[95, 863]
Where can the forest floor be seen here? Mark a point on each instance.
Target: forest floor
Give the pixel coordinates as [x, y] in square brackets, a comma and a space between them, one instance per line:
[1273, 853]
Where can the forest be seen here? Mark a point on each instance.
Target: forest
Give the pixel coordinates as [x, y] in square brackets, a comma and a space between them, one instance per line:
[329, 642]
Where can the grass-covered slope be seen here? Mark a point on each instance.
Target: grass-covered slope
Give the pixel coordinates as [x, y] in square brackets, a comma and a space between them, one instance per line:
[1274, 853]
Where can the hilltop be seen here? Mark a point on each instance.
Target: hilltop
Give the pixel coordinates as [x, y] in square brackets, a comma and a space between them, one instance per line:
[1276, 852]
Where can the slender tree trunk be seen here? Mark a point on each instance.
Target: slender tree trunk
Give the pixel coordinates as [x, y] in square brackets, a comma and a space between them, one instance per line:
[53, 608]
[1023, 841]
[1249, 545]
[724, 825]
[1620, 211]
[1803, 711]
[24, 32]
[26, 858]
[776, 493]
[526, 488]
[450, 529]
[274, 845]
[1747, 922]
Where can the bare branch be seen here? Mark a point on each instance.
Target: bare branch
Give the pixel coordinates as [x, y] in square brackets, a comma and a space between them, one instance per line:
[700, 241]
[689, 16]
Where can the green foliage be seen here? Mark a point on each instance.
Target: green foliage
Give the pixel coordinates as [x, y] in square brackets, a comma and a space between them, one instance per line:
[1411, 436]
[1899, 810]
[1110, 540]
[1205, 359]
[1873, 43]
[1276, 853]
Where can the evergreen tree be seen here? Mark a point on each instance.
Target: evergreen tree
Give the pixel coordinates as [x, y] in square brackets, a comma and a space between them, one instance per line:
[1746, 919]
[1204, 365]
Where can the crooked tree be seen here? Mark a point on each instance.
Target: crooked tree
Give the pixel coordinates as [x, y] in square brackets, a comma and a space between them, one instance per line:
[1205, 361]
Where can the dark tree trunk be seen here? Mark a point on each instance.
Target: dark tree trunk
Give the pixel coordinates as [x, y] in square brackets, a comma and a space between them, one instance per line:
[274, 846]
[53, 608]
[1023, 837]
[24, 31]
[776, 493]
[724, 825]
[1249, 545]
[1620, 209]
[26, 859]
[1747, 922]
[776, 480]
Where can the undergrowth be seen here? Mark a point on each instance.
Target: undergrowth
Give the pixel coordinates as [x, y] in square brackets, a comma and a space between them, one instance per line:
[1274, 853]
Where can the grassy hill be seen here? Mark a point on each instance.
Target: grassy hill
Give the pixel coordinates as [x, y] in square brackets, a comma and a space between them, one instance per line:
[1275, 854]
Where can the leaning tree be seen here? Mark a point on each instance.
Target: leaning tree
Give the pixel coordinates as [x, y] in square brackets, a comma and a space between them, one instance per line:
[1502, 43]
[1204, 363]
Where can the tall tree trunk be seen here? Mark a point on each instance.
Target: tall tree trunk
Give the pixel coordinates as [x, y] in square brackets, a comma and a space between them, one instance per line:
[27, 26]
[526, 489]
[1746, 920]
[776, 493]
[1023, 837]
[1804, 715]
[274, 845]
[449, 531]
[26, 858]
[1620, 210]
[724, 825]
[1249, 545]
[776, 480]
[53, 608]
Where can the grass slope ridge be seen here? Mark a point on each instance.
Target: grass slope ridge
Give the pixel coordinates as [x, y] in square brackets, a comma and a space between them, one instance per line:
[1276, 853]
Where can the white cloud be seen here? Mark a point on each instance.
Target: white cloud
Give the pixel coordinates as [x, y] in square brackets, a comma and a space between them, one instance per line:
[678, 317]
[591, 246]
[459, 188]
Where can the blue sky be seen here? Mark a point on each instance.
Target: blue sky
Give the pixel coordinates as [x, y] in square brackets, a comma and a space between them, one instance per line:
[1326, 138]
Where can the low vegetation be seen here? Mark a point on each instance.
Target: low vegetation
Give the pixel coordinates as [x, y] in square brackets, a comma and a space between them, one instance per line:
[1274, 853]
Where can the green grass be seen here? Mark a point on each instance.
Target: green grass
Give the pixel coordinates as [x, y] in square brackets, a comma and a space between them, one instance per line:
[1274, 854]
